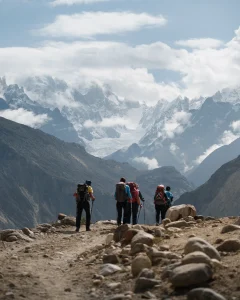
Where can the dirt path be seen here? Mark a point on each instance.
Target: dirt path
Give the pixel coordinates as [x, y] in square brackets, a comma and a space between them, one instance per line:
[42, 269]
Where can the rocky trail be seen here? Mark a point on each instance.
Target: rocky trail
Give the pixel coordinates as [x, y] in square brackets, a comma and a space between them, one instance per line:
[192, 258]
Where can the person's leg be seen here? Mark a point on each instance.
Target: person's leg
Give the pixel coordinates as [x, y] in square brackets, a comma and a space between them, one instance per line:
[134, 213]
[78, 216]
[126, 212]
[157, 208]
[163, 212]
[88, 214]
[119, 213]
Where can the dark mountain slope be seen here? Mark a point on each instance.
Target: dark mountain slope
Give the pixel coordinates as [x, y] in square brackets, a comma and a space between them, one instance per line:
[220, 195]
[214, 161]
[39, 173]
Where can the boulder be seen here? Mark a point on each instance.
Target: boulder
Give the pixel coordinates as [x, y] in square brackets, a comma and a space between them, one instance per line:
[191, 274]
[230, 228]
[237, 222]
[154, 253]
[175, 213]
[178, 224]
[167, 271]
[199, 244]
[69, 221]
[139, 263]
[204, 294]
[199, 217]
[142, 238]
[158, 232]
[5, 233]
[61, 216]
[143, 284]
[231, 245]
[128, 236]
[196, 258]
[11, 238]
[28, 232]
[119, 232]
[109, 269]
[138, 227]
[137, 248]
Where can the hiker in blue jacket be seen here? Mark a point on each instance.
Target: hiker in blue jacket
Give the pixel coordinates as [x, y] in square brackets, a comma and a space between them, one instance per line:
[169, 196]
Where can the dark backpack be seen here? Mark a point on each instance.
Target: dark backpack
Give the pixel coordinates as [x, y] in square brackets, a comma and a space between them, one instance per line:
[121, 195]
[82, 191]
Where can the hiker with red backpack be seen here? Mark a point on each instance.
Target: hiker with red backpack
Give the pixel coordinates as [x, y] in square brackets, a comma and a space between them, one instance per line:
[134, 203]
[161, 203]
[122, 196]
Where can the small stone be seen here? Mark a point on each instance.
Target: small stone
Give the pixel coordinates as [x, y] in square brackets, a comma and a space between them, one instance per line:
[143, 238]
[10, 295]
[114, 285]
[199, 244]
[146, 273]
[199, 221]
[67, 290]
[111, 259]
[109, 269]
[216, 264]
[117, 297]
[11, 238]
[230, 228]
[109, 239]
[167, 236]
[61, 216]
[204, 294]
[139, 263]
[178, 224]
[45, 255]
[137, 248]
[192, 235]
[210, 218]
[199, 217]
[149, 295]
[176, 235]
[196, 258]
[119, 232]
[164, 247]
[191, 274]
[97, 276]
[158, 232]
[231, 245]
[219, 241]
[97, 282]
[142, 284]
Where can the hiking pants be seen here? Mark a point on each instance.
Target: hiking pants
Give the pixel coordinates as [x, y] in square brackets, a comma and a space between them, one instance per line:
[160, 209]
[121, 206]
[132, 211]
[85, 205]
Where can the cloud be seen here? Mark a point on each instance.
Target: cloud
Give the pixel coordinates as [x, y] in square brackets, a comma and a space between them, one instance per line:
[200, 43]
[227, 138]
[176, 125]
[150, 163]
[25, 117]
[90, 24]
[71, 2]
[236, 126]
[108, 122]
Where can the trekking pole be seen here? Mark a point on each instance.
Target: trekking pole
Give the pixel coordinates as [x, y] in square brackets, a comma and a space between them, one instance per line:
[144, 214]
[139, 212]
[92, 208]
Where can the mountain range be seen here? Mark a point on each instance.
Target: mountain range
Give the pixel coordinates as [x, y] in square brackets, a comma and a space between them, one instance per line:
[180, 133]
[39, 174]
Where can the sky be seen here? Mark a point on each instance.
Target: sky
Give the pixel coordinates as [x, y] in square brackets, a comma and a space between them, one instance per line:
[145, 50]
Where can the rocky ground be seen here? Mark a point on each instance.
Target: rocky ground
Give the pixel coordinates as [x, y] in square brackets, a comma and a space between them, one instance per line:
[140, 262]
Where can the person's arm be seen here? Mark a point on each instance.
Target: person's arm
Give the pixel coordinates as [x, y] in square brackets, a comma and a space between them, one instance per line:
[141, 196]
[90, 192]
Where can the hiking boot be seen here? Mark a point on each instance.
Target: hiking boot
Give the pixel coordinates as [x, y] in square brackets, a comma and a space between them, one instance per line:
[77, 229]
[88, 229]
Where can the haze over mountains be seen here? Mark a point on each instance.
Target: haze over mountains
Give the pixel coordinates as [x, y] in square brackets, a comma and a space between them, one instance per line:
[39, 174]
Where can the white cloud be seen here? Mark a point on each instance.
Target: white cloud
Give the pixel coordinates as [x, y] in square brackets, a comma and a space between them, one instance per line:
[200, 43]
[89, 24]
[236, 126]
[176, 124]
[150, 163]
[25, 117]
[71, 2]
[173, 148]
[108, 122]
[227, 138]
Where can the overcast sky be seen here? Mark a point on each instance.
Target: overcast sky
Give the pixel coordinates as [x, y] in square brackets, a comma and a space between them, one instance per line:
[144, 49]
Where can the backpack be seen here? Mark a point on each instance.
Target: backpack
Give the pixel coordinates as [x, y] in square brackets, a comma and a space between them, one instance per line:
[134, 192]
[82, 192]
[160, 197]
[120, 193]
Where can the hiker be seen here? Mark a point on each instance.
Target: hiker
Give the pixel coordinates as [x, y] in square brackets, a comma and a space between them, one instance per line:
[122, 195]
[169, 196]
[134, 203]
[160, 201]
[83, 195]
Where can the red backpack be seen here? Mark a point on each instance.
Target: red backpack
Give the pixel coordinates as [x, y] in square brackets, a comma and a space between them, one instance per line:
[160, 197]
[134, 192]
